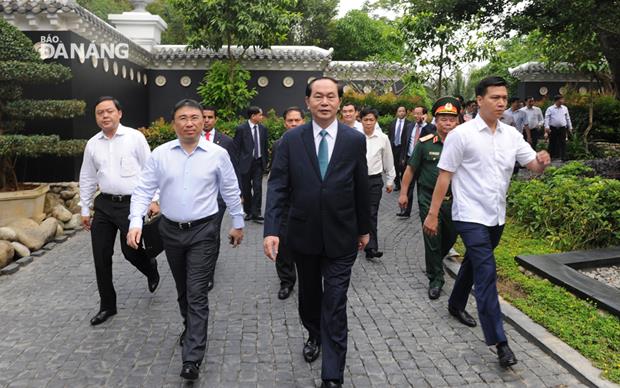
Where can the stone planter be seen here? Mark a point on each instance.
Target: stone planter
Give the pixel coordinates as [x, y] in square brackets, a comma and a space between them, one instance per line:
[22, 204]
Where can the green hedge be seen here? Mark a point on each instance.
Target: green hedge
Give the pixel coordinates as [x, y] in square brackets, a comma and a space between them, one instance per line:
[39, 145]
[33, 73]
[45, 109]
[386, 104]
[569, 206]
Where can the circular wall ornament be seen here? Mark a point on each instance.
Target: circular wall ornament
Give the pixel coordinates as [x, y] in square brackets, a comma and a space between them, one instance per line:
[583, 90]
[563, 90]
[131, 74]
[310, 79]
[185, 81]
[262, 81]
[115, 68]
[367, 89]
[543, 90]
[288, 82]
[144, 79]
[124, 71]
[347, 89]
[94, 60]
[160, 80]
[80, 54]
[106, 64]
[139, 77]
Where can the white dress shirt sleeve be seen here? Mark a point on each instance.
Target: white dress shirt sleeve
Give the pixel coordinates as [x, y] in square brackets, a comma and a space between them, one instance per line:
[452, 153]
[525, 153]
[539, 116]
[88, 180]
[547, 116]
[144, 191]
[144, 151]
[388, 162]
[569, 125]
[229, 189]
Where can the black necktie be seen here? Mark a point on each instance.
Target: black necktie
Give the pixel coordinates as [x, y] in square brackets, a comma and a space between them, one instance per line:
[256, 145]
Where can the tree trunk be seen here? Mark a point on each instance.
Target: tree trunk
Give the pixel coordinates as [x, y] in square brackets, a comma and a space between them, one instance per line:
[440, 80]
[590, 120]
[610, 44]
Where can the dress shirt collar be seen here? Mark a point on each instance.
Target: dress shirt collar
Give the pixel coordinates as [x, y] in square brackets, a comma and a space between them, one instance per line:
[251, 124]
[482, 125]
[331, 129]
[202, 144]
[120, 131]
[211, 134]
[373, 134]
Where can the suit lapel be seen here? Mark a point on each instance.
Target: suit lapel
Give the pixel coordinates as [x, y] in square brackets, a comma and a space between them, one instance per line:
[307, 137]
[337, 152]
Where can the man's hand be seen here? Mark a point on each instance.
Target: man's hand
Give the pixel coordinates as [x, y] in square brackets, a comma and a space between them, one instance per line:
[362, 241]
[235, 236]
[403, 199]
[86, 222]
[153, 209]
[389, 188]
[543, 158]
[270, 246]
[431, 224]
[133, 237]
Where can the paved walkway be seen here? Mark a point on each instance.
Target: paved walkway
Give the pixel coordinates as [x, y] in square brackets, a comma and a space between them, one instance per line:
[398, 338]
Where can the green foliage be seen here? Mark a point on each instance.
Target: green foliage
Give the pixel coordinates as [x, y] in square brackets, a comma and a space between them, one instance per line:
[103, 8]
[606, 117]
[577, 322]
[175, 33]
[312, 27]
[14, 45]
[572, 210]
[358, 37]
[386, 104]
[226, 88]
[38, 145]
[45, 109]
[29, 73]
[159, 132]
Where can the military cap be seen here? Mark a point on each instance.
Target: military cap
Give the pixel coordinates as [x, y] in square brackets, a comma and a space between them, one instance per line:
[446, 106]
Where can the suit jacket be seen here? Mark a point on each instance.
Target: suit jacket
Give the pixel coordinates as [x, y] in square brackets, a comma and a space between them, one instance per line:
[228, 144]
[244, 141]
[426, 129]
[326, 216]
[392, 131]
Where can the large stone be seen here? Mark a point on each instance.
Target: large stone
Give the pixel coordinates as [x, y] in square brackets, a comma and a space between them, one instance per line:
[6, 253]
[38, 218]
[31, 234]
[67, 194]
[59, 230]
[9, 269]
[51, 201]
[56, 189]
[20, 250]
[8, 234]
[49, 228]
[74, 222]
[74, 204]
[61, 213]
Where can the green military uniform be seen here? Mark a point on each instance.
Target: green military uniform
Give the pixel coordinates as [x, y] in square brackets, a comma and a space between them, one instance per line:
[424, 163]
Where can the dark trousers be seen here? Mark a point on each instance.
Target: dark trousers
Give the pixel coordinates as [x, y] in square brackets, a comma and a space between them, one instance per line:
[252, 188]
[535, 134]
[407, 211]
[323, 285]
[557, 142]
[397, 166]
[218, 225]
[437, 247]
[189, 253]
[375, 186]
[478, 268]
[285, 265]
[109, 218]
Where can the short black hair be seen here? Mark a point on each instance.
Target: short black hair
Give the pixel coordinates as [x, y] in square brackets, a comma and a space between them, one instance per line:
[293, 109]
[210, 108]
[352, 104]
[557, 97]
[101, 99]
[253, 110]
[424, 110]
[338, 85]
[186, 102]
[529, 98]
[401, 106]
[460, 98]
[484, 84]
[470, 102]
[369, 111]
[513, 99]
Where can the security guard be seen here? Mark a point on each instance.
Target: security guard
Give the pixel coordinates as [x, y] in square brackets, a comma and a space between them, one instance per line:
[423, 167]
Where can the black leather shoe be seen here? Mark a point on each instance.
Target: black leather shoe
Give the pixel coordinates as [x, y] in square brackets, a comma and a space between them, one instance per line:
[182, 337]
[258, 219]
[248, 217]
[311, 351]
[189, 371]
[330, 384]
[154, 278]
[434, 292]
[505, 355]
[102, 316]
[463, 317]
[210, 285]
[285, 292]
[371, 253]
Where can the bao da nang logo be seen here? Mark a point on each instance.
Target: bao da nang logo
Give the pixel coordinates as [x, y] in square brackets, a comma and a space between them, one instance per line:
[51, 47]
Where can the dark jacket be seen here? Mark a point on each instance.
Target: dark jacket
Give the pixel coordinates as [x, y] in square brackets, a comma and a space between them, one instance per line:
[244, 141]
[326, 216]
[427, 129]
[228, 144]
[392, 131]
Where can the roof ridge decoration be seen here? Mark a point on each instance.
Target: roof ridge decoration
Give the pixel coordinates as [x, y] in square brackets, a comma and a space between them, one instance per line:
[534, 71]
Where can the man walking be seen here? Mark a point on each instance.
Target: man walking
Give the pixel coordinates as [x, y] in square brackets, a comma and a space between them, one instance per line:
[320, 170]
[478, 157]
[112, 161]
[251, 143]
[534, 121]
[189, 171]
[396, 130]
[557, 123]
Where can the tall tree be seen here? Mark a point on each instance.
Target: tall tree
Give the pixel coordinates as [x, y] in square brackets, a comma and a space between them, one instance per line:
[312, 27]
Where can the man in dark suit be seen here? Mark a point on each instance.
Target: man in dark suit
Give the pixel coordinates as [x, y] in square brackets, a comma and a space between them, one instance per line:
[396, 132]
[320, 170]
[251, 142]
[412, 134]
[226, 142]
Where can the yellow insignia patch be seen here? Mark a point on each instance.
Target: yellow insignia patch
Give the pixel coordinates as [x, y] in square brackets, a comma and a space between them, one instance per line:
[427, 137]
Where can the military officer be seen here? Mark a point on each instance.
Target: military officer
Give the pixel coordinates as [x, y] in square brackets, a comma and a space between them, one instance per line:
[422, 166]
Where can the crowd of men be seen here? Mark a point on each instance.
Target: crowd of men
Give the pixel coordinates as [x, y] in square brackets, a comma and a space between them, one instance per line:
[325, 185]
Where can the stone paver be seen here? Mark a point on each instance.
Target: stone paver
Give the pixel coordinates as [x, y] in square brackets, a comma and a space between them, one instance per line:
[398, 338]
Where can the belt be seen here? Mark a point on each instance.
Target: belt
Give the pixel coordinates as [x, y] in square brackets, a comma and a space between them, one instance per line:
[374, 176]
[552, 127]
[116, 197]
[189, 224]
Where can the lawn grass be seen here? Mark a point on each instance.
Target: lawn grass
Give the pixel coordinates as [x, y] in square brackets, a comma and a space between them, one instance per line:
[577, 322]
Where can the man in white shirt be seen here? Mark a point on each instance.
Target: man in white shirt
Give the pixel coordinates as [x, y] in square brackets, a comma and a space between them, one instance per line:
[112, 161]
[478, 157]
[534, 121]
[513, 116]
[348, 116]
[557, 123]
[380, 164]
[189, 172]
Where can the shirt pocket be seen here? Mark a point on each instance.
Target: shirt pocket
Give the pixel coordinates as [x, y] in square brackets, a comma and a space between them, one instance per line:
[129, 166]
